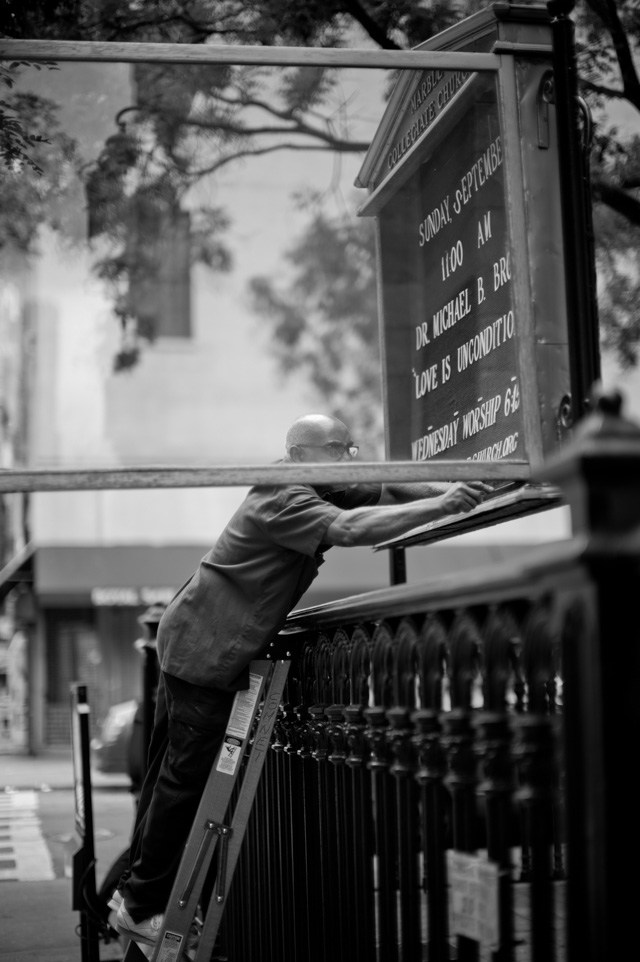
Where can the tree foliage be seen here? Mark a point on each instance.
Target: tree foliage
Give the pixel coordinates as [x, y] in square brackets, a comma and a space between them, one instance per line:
[189, 123]
[37, 162]
[391, 24]
[324, 318]
[608, 37]
[16, 141]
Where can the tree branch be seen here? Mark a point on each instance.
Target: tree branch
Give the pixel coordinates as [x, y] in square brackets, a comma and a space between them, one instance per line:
[608, 14]
[602, 90]
[617, 199]
[117, 27]
[293, 120]
[256, 152]
[301, 129]
[375, 31]
[242, 101]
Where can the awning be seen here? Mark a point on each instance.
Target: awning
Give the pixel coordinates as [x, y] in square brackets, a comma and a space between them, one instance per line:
[113, 574]
[143, 575]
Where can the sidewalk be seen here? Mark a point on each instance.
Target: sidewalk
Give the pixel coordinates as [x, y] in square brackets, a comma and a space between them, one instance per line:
[38, 924]
[52, 769]
[37, 921]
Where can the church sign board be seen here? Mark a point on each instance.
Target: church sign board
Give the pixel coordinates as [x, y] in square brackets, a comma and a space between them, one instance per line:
[463, 182]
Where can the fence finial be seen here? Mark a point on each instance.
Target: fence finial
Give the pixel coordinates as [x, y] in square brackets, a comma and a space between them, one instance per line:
[560, 8]
[606, 418]
[599, 469]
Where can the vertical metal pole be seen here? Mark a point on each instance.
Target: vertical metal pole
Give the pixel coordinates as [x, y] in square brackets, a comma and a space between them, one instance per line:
[271, 946]
[385, 821]
[498, 784]
[295, 808]
[361, 828]
[397, 566]
[307, 822]
[150, 670]
[324, 896]
[582, 315]
[343, 879]
[408, 834]
[462, 782]
[601, 666]
[430, 776]
[537, 749]
[84, 872]
[283, 857]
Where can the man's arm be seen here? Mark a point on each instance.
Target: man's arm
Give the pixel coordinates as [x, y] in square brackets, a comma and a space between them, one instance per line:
[395, 493]
[368, 526]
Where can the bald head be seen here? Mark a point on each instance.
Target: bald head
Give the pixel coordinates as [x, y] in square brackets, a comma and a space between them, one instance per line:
[314, 430]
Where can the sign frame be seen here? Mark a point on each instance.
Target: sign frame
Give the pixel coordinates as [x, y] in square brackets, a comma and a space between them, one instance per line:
[543, 361]
[169, 476]
[499, 59]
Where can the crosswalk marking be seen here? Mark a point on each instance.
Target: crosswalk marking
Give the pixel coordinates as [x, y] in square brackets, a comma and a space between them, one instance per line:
[24, 854]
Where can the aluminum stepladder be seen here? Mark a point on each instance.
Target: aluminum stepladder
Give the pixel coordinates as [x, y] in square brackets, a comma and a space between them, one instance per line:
[267, 681]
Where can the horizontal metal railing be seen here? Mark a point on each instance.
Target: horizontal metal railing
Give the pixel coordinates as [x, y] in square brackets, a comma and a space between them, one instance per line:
[420, 720]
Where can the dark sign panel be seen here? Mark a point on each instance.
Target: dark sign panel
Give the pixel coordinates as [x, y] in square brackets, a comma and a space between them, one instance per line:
[451, 328]
[463, 180]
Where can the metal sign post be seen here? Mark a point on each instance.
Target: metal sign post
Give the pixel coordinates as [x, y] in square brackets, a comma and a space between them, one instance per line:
[84, 859]
[579, 262]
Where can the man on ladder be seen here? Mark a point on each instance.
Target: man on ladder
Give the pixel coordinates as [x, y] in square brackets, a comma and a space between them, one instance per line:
[229, 611]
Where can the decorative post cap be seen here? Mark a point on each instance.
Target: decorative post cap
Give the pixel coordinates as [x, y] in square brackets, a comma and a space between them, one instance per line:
[560, 8]
[599, 469]
[605, 419]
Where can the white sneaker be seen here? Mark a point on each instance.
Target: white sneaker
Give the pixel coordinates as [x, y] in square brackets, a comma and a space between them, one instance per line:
[115, 901]
[146, 931]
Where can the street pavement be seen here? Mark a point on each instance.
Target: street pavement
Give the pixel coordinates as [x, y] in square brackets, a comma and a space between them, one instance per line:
[37, 840]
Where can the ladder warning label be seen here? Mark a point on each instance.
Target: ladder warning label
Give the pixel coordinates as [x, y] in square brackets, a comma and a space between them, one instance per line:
[171, 942]
[230, 754]
[243, 706]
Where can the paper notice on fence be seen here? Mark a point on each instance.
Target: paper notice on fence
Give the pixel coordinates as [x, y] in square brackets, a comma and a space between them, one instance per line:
[473, 898]
[242, 709]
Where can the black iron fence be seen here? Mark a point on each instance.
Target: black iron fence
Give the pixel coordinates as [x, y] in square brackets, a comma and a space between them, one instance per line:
[448, 778]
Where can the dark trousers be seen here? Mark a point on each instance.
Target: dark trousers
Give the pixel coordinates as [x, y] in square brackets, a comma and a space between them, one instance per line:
[189, 725]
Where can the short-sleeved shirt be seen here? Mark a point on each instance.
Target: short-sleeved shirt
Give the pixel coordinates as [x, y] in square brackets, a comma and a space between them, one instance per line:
[240, 596]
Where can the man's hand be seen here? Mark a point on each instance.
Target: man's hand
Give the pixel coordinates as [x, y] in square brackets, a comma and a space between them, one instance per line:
[370, 525]
[463, 496]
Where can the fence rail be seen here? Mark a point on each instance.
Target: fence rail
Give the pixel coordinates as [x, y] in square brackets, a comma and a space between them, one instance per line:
[473, 726]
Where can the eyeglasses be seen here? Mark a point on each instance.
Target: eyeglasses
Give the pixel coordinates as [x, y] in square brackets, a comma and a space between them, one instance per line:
[335, 449]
